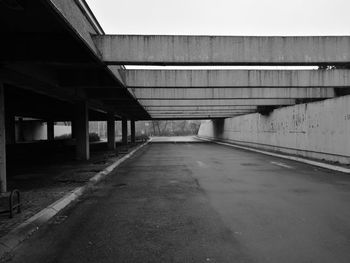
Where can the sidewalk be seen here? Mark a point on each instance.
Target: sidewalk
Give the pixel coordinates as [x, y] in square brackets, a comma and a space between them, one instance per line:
[41, 184]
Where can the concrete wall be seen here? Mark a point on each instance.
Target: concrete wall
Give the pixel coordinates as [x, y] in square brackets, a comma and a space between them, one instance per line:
[319, 130]
[37, 130]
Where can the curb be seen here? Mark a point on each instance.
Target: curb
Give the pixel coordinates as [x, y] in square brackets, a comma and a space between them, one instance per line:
[24, 230]
[293, 158]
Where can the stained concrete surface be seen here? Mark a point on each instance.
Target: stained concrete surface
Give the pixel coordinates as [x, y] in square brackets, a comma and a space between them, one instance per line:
[317, 130]
[175, 139]
[202, 202]
[44, 173]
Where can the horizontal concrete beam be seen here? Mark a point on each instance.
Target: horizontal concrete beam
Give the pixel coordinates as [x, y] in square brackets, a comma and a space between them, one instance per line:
[193, 117]
[223, 112]
[199, 108]
[189, 118]
[223, 50]
[232, 93]
[217, 102]
[237, 78]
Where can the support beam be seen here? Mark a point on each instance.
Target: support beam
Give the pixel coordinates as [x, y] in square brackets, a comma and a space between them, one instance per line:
[111, 131]
[217, 102]
[124, 131]
[192, 117]
[132, 128]
[198, 108]
[3, 183]
[50, 130]
[204, 113]
[232, 93]
[82, 131]
[237, 78]
[223, 50]
[180, 114]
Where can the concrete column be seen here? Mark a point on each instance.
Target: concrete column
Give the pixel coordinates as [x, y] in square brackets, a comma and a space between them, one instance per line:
[111, 131]
[10, 126]
[124, 131]
[74, 129]
[132, 127]
[82, 131]
[3, 184]
[50, 130]
[20, 130]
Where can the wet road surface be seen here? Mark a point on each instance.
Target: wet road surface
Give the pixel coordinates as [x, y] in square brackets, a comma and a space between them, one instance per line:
[202, 202]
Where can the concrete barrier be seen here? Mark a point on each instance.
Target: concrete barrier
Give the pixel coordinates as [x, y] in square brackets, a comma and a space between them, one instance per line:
[319, 130]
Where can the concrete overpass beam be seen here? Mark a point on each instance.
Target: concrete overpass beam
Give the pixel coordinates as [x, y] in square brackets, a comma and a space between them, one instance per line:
[111, 131]
[215, 103]
[232, 93]
[124, 131]
[237, 78]
[223, 50]
[82, 131]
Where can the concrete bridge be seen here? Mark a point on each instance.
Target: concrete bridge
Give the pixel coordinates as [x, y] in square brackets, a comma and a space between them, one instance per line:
[58, 65]
[67, 69]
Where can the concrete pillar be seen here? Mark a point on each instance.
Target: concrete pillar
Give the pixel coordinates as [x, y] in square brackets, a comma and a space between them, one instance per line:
[50, 130]
[20, 130]
[10, 126]
[3, 184]
[73, 128]
[132, 127]
[124, 131]
[82, 131]
[111, 131]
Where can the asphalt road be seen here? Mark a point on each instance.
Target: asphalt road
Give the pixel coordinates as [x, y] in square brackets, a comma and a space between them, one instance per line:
[202, 202]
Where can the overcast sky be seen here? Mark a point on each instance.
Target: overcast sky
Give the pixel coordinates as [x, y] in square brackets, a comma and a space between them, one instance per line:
[223, 17]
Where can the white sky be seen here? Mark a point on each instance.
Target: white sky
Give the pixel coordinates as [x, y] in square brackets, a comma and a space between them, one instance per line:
[223, 17]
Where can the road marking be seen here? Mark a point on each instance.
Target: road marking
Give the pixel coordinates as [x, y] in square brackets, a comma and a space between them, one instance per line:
[282, 165]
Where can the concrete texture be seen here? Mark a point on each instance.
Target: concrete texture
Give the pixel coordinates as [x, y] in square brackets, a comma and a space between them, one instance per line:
[50, 125]
[38, 130]
[324, 165]
[81, 117]
[237, 78]
[216, 102]
[80, 19]
[222, 50]
[111, 131]
[232, 93]
[78, 16]
[317, 130]
[132, 131]
[202, 108]
[124, 131]
[17, 235]
[3, 184]
[175, 139]
[202, 203]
